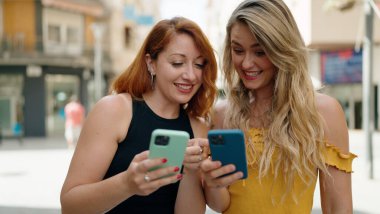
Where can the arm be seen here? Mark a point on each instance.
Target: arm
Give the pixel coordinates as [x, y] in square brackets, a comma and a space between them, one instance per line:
[336, 193]
[84, 190]
[190, 197]
[216, 189]
[87, 192]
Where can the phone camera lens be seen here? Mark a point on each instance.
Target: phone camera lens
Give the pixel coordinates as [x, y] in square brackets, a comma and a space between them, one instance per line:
[162, 140]
[217, 140]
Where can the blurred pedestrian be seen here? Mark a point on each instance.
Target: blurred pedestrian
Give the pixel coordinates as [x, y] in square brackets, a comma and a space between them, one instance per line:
[74, 116]
[293, 134]
[169, 85]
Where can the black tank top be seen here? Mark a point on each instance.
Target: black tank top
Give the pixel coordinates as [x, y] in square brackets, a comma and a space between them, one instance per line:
[143, 122]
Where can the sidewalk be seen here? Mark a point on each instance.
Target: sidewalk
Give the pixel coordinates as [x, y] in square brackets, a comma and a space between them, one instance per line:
[32, 173]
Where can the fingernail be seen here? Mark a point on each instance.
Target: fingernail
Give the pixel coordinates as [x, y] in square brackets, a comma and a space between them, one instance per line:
[164, 160]
[176, 169]
[179, 176]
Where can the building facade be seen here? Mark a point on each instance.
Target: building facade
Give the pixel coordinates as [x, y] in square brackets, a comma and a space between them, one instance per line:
[335, 38]
[46, 56]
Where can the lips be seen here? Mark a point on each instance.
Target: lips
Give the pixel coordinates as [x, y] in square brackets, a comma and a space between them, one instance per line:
[185, 88]
[252, 74]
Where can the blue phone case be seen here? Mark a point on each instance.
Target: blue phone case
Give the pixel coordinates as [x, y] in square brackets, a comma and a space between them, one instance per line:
[228, 147]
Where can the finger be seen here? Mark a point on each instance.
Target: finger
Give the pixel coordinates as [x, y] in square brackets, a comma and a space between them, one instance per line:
[148, 164]
[208, 165]
[162, 172]
[141, 156]
[228, 180]
[163, 181]
[203, 142]
[191, 142]
[194, 150]
[222, 171]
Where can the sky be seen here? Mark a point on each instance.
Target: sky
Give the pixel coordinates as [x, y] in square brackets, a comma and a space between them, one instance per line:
[171, 8]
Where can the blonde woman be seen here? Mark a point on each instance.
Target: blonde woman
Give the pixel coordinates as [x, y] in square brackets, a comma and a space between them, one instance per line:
[293, 134]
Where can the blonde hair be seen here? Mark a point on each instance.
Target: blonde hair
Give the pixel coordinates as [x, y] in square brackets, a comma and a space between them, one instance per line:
[296, 128]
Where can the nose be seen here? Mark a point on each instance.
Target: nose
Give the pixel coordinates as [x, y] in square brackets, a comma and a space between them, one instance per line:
[189, 73]
[248, 61]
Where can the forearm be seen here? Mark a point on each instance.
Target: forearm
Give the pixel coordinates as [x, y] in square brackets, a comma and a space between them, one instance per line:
[217, 199]
[190, 198]
[95, 197]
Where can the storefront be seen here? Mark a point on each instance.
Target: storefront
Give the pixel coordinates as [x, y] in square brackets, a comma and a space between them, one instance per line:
[32, 98]
[342, 78]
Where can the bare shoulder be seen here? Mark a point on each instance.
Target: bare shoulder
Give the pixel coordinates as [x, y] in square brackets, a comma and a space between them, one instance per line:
[218, 114]
[112, 111]
[119, 104]
[335, 125]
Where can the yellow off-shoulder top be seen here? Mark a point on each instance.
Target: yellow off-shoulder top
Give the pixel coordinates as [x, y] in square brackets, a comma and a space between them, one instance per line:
[264, 196]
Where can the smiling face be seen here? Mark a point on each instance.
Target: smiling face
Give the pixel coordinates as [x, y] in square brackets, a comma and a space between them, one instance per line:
[250, 60]
[178, 70]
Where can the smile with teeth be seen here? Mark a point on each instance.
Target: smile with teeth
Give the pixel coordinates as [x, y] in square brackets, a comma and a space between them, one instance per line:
[252, 74]
[183, 86]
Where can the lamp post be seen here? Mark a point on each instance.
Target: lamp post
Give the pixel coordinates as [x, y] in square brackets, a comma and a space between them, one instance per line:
[98, 30]
[368, 102]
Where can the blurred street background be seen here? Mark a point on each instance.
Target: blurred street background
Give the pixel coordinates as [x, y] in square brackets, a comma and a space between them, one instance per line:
[51, 50]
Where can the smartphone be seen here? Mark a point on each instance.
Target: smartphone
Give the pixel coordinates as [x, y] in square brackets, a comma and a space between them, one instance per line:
[228, 147]
[169, 144]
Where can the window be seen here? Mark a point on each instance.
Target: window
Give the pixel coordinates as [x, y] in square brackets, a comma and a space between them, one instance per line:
[72, 35]
[54, 33]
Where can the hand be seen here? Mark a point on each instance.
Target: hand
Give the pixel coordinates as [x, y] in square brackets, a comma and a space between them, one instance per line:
[140, 181]
[196, 151]
[212, 170]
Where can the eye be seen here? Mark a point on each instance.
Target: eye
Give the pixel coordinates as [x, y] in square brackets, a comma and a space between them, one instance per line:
[238, 51]
[177, 64]
[260, 53]
[200, 65]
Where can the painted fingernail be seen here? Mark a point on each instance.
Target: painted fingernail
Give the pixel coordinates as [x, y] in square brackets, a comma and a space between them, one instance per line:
[179, 176]
[164, 160]
[176, 169]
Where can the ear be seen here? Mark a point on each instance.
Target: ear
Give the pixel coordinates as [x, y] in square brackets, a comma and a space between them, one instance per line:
[149, 63]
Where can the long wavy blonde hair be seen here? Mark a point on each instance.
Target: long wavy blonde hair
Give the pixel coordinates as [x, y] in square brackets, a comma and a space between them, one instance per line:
[296, 128]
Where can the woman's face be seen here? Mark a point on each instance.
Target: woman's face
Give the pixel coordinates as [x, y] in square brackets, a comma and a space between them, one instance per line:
[178, 70]
[251, 62]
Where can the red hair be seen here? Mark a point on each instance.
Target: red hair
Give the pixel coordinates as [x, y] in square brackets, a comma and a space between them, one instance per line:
[135, 80]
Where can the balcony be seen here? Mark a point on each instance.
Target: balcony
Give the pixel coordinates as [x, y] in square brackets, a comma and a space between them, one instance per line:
[17, 51]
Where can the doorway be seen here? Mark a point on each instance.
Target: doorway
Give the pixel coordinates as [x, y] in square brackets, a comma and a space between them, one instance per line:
[59, 89]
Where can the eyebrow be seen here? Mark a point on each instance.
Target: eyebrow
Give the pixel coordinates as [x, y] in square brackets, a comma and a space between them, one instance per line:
[252, 46]
[178, 54]
[184, 56]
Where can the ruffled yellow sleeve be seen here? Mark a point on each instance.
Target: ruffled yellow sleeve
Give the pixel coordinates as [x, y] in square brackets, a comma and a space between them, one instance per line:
[334, 157]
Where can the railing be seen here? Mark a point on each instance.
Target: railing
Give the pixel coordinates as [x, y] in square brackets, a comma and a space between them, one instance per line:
[14, 50]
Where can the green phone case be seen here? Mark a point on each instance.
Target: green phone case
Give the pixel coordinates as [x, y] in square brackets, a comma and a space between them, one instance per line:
[169, 144]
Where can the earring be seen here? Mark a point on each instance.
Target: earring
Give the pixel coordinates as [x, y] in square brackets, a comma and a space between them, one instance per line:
[152, 79]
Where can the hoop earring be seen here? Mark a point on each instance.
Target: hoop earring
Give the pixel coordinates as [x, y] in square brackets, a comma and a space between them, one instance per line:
[152, 80]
